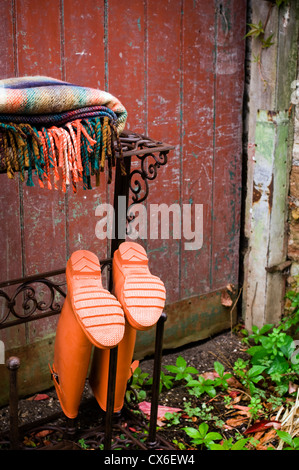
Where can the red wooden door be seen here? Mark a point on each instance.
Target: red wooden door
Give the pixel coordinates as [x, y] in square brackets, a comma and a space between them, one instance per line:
[178, 67]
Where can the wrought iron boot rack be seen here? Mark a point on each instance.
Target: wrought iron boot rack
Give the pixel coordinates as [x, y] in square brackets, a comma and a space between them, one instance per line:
[134, 185]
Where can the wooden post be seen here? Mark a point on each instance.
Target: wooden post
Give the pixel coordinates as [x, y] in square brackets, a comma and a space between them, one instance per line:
[268, 131]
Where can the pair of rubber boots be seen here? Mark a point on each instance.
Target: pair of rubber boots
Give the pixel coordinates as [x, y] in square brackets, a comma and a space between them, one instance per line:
[92, 316]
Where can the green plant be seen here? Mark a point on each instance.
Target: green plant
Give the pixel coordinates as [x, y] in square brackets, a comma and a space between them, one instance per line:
[172, 419]
[199, 386]
[180, 445]
[83, 444]
[181, 369]
[249, 377]
[257, 31]
[222, 379]
[293, 443]
[255, 406]
[201, 436]
[273, 350]
[136, 384]
[229, 445]
[257, 333]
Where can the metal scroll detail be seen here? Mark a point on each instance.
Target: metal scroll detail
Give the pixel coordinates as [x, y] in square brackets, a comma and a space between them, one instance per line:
[34, 298]
[25, 302]
[151, 154]
[139, 178]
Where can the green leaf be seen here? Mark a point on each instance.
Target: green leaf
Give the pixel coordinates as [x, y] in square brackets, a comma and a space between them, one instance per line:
[192, 432]
[219, 368]
[211, 391]
[267, 42]
[285, 436]
[191, 370]
[173, 369]
[255, 371]
[203, 429]
[213, 436]
[217, 447]
[279, 365]
[288, 347]
[181, 363]
[266, 328]
[239, 444]
[255, 30]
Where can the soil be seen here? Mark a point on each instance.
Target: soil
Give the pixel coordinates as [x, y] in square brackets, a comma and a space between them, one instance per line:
[225, 348]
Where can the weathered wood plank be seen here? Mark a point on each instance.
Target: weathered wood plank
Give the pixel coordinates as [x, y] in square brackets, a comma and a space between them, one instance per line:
[197, 139]
[163, 103]
[229, 80]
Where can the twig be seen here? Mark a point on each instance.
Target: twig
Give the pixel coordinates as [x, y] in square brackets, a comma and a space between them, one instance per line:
[232, 309]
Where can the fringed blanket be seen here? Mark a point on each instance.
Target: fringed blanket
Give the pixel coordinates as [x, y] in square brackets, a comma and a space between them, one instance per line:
[62, 131]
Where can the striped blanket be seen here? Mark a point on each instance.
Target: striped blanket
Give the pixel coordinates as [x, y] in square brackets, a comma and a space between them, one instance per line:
[63, 132]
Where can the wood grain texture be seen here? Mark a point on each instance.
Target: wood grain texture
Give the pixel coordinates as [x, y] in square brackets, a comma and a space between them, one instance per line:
[177, 66]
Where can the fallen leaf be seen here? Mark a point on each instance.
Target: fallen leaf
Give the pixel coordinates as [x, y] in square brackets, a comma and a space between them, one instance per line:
[233, 382]
[209, 375]
[241, 408]
[265, 439]
[234, 422]
[47, 443]
[268, 436]
[38, 397]
[44, 433]
[145, 407]
[293, 387]
[262, 426]
[226, 299]
[41, 396]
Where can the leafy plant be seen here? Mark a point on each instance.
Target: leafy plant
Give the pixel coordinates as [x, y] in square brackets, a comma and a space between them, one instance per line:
[229, 445]
[172, 419]
[137, 382]
[293, 443]
[181, 369]
[200, 386]
[274, 349]
[255, 406]
[201, 436]
[257, 333]
[222, 379]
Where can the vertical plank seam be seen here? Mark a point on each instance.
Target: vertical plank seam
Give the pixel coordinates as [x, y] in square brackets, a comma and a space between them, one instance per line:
[145, 88]
[106, 44]
[63, 76]
[62, 39]
[214, 141]
[20, 186]
[181, 133]
[106, 87]
[145, 66]
[14, 38]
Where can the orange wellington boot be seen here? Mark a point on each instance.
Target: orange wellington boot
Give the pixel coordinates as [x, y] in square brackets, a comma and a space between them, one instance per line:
[99, 373]
[90, 316]
[142, 297]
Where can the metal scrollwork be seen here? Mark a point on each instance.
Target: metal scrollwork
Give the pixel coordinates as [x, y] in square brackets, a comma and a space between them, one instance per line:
[139, 178]
[24, 303]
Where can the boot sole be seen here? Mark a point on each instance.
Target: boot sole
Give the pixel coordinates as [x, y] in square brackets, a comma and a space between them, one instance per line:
[142, 295]
[96, 309]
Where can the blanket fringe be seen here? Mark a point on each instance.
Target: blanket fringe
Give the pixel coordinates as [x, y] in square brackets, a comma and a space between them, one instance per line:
[71, 153]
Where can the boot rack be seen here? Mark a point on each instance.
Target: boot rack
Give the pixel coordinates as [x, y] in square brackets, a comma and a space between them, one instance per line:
[134, 186]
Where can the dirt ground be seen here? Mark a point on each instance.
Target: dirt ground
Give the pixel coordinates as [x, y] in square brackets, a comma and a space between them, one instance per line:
[225, 348]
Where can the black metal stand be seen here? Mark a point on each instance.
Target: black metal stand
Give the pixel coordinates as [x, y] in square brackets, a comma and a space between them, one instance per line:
[152, 155]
